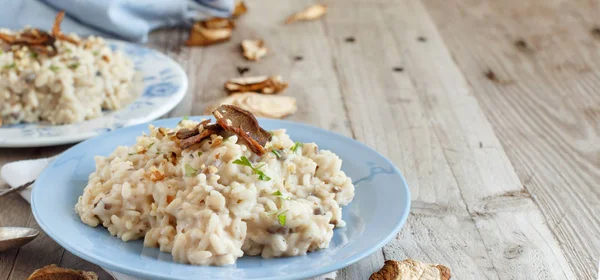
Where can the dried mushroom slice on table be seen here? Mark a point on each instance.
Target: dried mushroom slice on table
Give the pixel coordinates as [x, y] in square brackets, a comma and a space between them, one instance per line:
[54, 272]
[254, 49]
[310, 13]
[410, 269]
[268, 106]
[208, 32]
[259, 84]
[245, 125]
[240, 9]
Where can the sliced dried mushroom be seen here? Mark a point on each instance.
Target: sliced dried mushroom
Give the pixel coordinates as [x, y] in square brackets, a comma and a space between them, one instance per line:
[254, 49]
[54, 272]
[208, 32]
[410, 269]
[195, 139]
[259, 84]
[268, 106]
[310, 13]
[187, 132]
[245, 125]
[240, 9]
[56, 32]
[38, 40]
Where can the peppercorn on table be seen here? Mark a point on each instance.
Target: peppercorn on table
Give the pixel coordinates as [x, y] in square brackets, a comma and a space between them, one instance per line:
[489, 108]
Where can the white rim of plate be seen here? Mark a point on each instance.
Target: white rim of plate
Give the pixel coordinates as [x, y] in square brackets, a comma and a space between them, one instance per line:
[42, 135]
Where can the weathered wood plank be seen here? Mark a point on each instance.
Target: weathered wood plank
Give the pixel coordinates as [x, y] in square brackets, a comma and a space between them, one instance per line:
[69, 260]
[481, 221]
[534, 66]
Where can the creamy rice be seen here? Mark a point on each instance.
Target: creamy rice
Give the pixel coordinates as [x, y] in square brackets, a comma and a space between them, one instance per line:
[205, 209]
[74, 85]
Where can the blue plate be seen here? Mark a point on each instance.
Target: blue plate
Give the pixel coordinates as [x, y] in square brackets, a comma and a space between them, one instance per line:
[374, 217]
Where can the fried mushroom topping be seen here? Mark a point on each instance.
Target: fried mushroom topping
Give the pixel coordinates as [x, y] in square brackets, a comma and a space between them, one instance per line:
[245, 125]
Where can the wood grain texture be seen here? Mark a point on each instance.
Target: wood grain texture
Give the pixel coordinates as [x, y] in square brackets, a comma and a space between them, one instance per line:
[499, 226]
[535, 66]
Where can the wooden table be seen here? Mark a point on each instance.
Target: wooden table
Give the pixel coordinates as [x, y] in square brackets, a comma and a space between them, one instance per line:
[491, 109]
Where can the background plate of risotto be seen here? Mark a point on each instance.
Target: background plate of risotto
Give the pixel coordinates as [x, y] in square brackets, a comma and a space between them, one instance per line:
[208, 199]
[83, 90]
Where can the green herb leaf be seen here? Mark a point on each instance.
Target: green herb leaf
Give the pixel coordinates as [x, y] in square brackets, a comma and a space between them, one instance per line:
[276, 152]
[280, 195]
[262, 176]
[151, 145]
[33, 55]
[9, 66]
[186, 117]
[190, 171]
[131, 154]
[245, 162]
[54, 68]
[296, 145]
[74, 65]
[68, 50]
[96, 52]
[199, 153]
[277, 193]
[281, 218]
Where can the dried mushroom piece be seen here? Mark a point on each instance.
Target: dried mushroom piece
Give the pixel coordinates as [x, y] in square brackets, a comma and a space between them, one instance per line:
[56, 32]
[208, 32]
[40, 41]
[54, 272]
[268, 106]
[245, 125]
[240, 9]
[187, 132]
[195, 139]
[410, 269]
[310, 13]
[254, 49]
[260, 84]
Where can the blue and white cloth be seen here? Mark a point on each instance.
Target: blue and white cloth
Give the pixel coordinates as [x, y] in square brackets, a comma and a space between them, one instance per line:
[125, 19]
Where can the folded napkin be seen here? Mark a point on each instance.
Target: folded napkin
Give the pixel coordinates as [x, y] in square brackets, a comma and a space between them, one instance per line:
[20, 172]
[127, 19]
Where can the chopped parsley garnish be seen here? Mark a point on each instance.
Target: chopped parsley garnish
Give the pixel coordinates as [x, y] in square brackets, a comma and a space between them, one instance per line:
[190, 171]
[33, 55]
[245, 162]
[131, 154]
[68, 50]
[276, 152]
[151, 145]
[186, 117]
[296, 145]
[199, 153]
[95, 52]
[54, 68]
[74, 65]
[281, 218]
[280, 195]
[9, 66]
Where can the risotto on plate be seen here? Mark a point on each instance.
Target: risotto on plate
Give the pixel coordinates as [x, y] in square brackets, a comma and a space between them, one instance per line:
[58, 78]
[210, 193]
